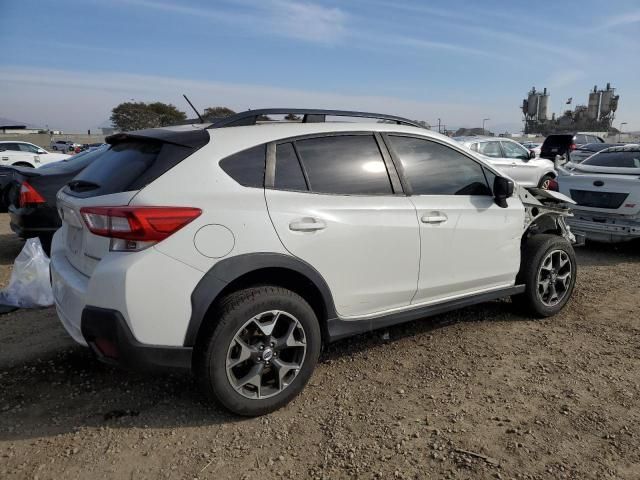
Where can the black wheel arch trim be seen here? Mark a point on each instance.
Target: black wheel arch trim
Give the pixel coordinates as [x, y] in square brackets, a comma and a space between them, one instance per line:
[226, 271]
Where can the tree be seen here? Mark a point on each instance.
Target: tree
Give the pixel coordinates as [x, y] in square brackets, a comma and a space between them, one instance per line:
[167, 113]
[213, 113]
[139, 115]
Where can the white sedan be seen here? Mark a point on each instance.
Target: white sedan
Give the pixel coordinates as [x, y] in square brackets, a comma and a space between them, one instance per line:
[25, 154]
[513, 160]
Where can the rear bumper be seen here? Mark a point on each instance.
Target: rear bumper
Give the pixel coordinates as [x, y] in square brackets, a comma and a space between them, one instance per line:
[604, 228]
[30, 222]
[109, 337]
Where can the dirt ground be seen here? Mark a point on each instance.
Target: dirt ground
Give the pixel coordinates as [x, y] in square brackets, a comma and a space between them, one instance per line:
[479, 393]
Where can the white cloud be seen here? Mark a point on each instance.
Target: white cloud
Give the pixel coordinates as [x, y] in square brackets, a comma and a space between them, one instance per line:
[564, 78]
[301, 20]
[621, 19]
[76, 101]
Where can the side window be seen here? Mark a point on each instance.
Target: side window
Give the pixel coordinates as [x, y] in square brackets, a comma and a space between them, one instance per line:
[345, 164]
[580, 139]
[289, 175]
[246, 167]
[511, 150]
[13, 147]
[27, 148]
[490, 149]
[435, 169]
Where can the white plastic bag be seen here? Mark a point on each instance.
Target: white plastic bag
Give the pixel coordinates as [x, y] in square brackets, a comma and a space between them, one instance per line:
[29, 285]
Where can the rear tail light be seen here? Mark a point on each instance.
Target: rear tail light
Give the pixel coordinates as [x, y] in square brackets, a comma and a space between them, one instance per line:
[553, 185]
[572, 147]
[136, 228]
[29, 196]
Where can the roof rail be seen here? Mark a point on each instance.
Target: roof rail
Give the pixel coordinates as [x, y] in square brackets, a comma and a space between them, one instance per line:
[251, 117]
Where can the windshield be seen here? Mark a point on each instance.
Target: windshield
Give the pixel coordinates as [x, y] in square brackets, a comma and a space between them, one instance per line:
[628, 159]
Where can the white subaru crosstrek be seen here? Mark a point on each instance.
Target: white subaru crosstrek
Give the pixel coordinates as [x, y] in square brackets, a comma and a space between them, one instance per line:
[238, 249]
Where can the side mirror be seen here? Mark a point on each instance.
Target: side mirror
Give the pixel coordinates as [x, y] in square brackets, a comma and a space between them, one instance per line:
[502, 189]
[532, 154]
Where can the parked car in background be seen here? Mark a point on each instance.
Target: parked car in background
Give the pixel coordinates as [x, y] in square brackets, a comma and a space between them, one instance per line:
[26, 147]
[513, 160]
[533, 147]
[559, 147]
[64, 145]
[583, 152]
[237, 251]
[606, 189]
[31, 195]
[25, 159]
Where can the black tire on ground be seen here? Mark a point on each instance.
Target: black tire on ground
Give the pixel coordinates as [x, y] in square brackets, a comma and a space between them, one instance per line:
[231, 314]
[544, 181]
[534, 252]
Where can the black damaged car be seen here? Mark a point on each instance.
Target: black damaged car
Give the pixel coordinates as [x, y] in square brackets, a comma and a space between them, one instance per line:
[31, 195]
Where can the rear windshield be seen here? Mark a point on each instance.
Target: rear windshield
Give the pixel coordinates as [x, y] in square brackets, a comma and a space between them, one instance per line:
[118, 168]
[557, 141]
[615, 159]
[74, 164]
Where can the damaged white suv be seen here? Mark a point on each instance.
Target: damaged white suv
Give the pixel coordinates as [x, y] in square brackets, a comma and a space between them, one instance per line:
[238, 249]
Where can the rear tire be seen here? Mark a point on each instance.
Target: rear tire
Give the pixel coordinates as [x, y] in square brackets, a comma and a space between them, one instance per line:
[548, 270]
[259, 351]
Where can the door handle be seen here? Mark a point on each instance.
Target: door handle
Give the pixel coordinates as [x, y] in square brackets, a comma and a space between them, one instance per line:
[434, 217]
[307, 224]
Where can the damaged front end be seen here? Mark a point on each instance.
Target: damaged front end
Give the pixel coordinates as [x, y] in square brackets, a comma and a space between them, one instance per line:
[546, 211]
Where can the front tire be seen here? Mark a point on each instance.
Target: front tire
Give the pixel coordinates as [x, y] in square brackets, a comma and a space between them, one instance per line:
[548, 270]
[259, 351]
[545, 182]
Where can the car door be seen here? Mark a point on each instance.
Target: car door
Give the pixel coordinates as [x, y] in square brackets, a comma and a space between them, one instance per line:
[333, 205]
[468, 243]
[523, 170]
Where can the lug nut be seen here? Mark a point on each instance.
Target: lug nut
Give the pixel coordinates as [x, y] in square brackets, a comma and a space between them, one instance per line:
[261, 347]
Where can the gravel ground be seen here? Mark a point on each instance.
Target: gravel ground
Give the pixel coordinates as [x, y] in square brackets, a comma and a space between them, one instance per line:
[478, 393]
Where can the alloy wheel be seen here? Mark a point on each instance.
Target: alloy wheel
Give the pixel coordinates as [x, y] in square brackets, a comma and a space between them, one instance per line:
[554, 277]
[266, 354]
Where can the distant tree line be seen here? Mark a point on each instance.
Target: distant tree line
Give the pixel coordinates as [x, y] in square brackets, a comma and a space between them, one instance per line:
[130, 116]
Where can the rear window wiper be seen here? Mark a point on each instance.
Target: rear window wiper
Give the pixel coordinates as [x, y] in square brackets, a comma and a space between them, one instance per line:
[82, 185]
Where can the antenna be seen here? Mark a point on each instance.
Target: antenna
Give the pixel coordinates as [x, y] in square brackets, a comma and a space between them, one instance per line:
[194, 108]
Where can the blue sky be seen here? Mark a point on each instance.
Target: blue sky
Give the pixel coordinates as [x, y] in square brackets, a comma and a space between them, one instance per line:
[66, 63]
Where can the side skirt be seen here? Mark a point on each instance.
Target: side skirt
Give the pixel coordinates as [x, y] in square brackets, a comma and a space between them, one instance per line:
[339, 329]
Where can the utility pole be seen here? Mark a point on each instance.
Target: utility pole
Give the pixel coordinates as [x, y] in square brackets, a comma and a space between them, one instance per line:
[620, 130]
[439, 126]
[483, 130]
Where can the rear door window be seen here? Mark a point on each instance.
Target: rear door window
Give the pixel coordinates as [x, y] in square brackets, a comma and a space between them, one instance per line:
[344, 164]
[289, 174]
[435, 169]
